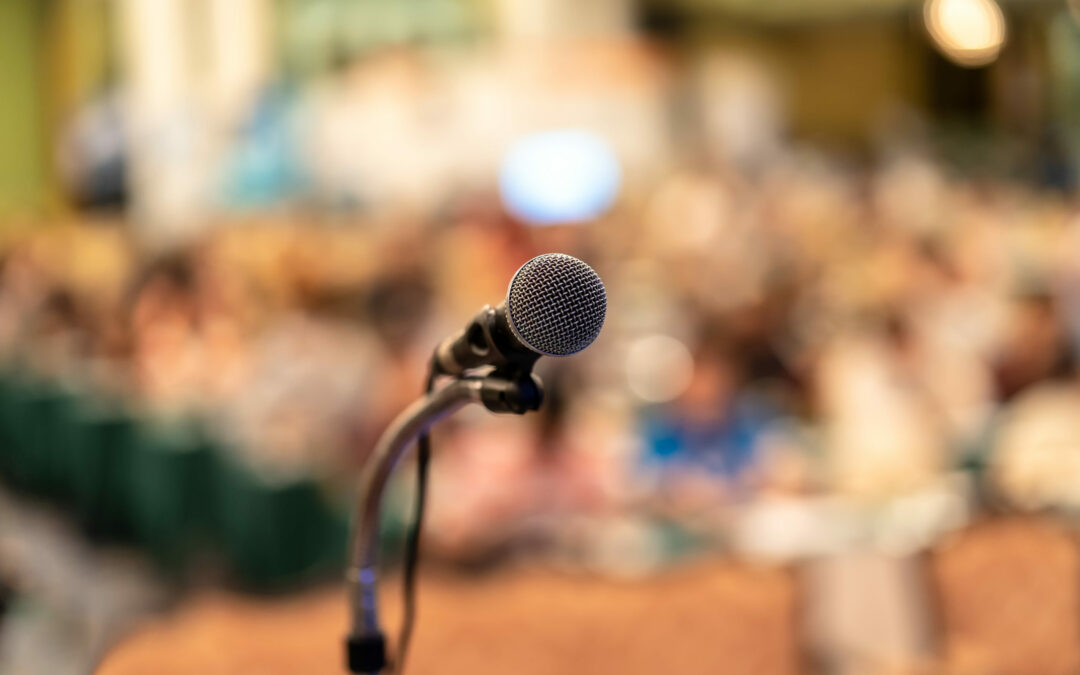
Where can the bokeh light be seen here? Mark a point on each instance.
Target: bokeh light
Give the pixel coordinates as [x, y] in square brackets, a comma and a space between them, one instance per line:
[658, 368]
[968, 32]
[562, 176]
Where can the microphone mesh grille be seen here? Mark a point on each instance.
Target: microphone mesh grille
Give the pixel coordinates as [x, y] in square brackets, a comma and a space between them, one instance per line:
[556, 304]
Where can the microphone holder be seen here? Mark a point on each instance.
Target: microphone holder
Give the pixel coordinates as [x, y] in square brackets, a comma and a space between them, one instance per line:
[501, 391]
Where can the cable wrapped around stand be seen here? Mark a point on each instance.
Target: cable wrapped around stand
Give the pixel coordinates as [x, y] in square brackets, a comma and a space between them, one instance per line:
[412, 541]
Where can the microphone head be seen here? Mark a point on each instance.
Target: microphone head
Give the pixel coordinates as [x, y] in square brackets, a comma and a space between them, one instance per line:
[556, 304]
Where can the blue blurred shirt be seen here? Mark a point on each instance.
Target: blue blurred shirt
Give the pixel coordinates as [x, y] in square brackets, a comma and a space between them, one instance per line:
[723, 447]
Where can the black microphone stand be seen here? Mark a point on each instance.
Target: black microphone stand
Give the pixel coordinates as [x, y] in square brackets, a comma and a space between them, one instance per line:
[514, 391]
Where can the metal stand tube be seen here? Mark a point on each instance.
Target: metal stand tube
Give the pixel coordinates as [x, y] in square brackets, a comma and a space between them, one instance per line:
[364, 542]
[515, 394]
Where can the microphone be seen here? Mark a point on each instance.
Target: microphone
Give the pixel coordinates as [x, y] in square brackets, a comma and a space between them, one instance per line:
[555, 306]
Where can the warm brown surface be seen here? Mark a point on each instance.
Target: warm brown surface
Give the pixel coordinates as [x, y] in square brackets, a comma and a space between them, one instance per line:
[716, 619]
[1009, 592]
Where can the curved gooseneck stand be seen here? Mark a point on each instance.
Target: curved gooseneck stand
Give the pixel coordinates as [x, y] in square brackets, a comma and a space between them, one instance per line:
[515, 392]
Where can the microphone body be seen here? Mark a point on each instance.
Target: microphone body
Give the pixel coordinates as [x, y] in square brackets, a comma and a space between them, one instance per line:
[555, 306]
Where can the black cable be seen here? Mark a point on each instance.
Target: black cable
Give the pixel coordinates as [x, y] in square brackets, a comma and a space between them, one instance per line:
[412, 539]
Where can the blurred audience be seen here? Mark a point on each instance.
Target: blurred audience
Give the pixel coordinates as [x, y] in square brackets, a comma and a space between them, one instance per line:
[878, 344]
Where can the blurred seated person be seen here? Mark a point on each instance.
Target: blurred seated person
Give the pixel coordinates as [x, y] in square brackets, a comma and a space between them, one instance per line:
[92, 152]
[702, 447]
[882, 434]
[164, 329]
[397, 311]
[506, 481]
[58, 332]
[1036, 345]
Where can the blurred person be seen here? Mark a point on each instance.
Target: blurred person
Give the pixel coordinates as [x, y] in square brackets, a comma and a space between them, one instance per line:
[763, 336]
[743, 112]
[1035, 345]
[193, 321]
[1066, 278]
[307, 381]
[498, 487]
[699, 229]
[265, 167]
[907, 195]
[24, 287]
[58, 332]
[689, 209]
[164, 326]
[1054, 165]
[371, 138]
[55, 318]
[230, 316]
[92, 153]
[111, 351]
[302, 400]
[943, 339]
[703, 447]
[881, 434]
[397, 307]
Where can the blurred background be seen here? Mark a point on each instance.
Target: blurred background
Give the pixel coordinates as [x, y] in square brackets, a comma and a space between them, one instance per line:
[832, 423]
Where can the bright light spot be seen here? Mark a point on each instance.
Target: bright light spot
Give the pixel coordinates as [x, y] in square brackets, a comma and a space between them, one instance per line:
[658, 368]
[969, 32]
[559, 177]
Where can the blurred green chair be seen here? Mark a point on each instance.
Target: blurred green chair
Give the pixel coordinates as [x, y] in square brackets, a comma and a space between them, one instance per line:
[171, 491]
[276, 533]
[100, 458]
[37, 421]
[8, 451]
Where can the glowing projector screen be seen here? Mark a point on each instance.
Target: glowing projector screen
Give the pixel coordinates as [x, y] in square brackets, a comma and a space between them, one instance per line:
[557, 177]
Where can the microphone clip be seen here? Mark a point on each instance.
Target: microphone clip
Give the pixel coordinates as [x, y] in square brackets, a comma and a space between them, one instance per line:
[487, 341]
[513, 393]
[488, 352]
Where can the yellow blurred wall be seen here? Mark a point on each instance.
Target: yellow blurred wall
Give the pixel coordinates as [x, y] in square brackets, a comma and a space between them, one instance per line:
[845, 79]
[23, 149]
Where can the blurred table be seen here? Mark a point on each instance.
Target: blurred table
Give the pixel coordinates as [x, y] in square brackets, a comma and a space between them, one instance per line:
[1008, 591]
[716, 618]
